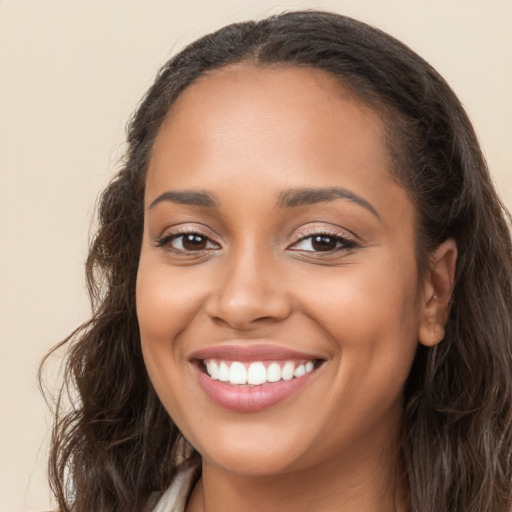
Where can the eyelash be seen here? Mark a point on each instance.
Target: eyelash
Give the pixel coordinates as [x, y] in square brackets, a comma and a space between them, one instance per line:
[166, 240]
[342, 243]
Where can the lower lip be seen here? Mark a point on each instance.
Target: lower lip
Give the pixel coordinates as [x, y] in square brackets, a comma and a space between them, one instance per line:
[250, 398]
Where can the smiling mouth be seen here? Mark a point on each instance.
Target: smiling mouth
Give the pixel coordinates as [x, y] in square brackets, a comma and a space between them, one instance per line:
[257, 373]
[251, 378]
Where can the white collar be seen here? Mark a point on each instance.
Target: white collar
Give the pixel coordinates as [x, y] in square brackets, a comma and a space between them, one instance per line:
[175, 497]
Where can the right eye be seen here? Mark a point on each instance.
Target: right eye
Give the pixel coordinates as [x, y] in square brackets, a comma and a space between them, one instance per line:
[187, 242]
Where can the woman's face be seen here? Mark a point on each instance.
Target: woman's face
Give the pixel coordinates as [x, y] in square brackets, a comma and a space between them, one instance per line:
[277, 248]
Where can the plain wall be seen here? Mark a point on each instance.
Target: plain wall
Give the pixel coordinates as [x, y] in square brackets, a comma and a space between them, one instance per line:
[70, 74]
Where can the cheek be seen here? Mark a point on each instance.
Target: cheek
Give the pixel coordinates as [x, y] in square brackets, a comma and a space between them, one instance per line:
[380, 296]
[165, 303]
[374, 330]
[167, 300]
[164, 310]
[372, 317]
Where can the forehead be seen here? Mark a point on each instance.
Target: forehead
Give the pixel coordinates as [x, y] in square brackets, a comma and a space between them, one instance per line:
[270, 93]
[246, 82]
[280, 123]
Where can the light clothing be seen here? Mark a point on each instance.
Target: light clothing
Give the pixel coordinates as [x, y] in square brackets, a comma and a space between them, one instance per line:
[175, 497]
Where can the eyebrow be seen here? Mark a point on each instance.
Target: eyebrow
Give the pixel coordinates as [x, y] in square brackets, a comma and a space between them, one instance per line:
[306, 196]
[286, 199]
[188, 197]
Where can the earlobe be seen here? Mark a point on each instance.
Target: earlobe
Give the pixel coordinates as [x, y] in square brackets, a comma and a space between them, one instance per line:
[437, 291]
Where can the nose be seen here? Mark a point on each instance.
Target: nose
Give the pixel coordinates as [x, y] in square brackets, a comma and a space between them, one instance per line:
[249, 293]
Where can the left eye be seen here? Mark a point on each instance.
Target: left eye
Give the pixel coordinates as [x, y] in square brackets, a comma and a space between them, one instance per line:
[322, 243]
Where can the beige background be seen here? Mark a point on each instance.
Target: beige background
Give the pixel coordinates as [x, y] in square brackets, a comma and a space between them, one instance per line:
[70, 74]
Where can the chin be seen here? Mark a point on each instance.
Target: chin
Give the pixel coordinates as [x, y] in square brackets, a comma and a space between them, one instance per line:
[253, 463]
[254, 452]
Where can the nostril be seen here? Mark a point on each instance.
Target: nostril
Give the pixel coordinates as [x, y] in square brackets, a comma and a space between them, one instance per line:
[220, 321]
[263, 319]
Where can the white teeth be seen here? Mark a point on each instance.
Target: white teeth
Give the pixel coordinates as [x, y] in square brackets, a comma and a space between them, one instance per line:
[299, 371]
[287, 371]
[255, 374]
[237, 373]
[223, 372]
[274, 372]
[212, 369]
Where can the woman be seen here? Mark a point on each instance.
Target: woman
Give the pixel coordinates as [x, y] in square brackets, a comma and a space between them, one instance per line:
[302, 289]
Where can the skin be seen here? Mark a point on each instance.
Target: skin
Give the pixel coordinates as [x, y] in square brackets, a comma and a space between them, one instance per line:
[245, 134]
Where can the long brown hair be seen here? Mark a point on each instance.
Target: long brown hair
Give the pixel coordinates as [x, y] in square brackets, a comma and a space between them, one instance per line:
[116, 447]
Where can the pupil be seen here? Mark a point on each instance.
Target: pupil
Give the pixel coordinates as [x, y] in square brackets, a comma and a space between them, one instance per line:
[194, 242]
[323, 243]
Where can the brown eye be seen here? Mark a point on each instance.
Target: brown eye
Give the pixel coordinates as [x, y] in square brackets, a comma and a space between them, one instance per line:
[323, 243]
[194, 242]
[187, 242]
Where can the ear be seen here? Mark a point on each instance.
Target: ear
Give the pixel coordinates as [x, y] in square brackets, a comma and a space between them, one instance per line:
[437, 291]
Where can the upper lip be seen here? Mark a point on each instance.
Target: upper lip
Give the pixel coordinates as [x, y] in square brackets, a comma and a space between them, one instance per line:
[246, 353]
